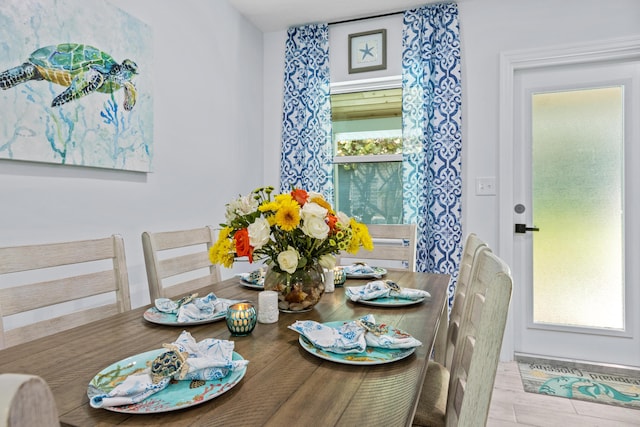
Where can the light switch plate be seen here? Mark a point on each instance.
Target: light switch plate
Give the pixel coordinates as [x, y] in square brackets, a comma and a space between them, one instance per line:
[486, 186]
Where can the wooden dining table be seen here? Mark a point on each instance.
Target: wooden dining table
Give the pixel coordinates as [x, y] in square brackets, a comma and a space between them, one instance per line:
[284, 385]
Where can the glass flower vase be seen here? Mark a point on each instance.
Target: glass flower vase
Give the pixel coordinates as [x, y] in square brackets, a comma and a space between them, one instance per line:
[299, 291]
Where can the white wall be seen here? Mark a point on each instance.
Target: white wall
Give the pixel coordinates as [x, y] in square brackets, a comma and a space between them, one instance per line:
[488, 27]
[492, 26]
[208, 89]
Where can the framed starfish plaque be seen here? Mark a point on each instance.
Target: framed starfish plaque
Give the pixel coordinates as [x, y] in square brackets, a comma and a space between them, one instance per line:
[368, 51]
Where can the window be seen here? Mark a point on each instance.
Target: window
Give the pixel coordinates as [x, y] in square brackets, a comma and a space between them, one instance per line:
[367, 147]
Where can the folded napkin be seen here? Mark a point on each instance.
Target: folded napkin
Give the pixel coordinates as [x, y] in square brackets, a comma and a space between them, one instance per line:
[256, 277]
[210, 359]
[383, 289]
[360, 268]
[353, 336]
[190, 308]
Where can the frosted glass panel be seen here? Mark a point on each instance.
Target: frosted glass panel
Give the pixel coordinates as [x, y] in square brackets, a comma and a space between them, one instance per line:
[577, 152]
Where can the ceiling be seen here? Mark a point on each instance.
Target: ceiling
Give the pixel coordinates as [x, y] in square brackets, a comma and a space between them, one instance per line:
[277, 15]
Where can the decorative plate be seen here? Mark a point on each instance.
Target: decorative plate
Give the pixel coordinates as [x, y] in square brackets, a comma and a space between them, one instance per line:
[154, 315]
[378, 272]
[250, 285]
[246, 282]
[177, 395]
[371, 356]
[389, 302]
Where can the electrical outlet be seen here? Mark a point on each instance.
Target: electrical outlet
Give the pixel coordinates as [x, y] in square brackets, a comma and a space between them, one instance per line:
[486, 186]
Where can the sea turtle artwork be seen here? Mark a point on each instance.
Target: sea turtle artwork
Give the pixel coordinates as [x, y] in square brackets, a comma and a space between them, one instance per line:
[169, 363]
[83, 69]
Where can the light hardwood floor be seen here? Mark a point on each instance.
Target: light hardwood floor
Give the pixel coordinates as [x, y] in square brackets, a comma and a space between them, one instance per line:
[512, 406]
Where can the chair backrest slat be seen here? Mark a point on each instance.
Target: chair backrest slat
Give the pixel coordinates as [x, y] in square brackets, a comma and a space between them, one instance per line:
[477, 353]
[394, 247]
[72, 271]
[472, 247]
[173, 258]
[26, 400]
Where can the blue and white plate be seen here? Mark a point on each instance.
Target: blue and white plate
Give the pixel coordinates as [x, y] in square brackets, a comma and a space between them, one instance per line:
[377, 273]
[249, 280]
[371, 356]
[177, 395]
[389, 302]
[247, 283]
[154, 315]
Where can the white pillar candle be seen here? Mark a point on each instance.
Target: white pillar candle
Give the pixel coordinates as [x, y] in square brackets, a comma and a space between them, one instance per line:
[329, 281]
[268, 307]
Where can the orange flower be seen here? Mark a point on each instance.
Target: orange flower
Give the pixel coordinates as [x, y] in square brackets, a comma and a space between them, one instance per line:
[331, 222]
[300, 196]
[243, 247]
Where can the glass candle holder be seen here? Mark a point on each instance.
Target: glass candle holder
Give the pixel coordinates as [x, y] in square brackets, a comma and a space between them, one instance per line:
[339, 276]
[241, 318]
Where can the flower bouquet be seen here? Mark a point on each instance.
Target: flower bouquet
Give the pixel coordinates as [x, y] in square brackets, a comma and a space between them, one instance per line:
[296, 234]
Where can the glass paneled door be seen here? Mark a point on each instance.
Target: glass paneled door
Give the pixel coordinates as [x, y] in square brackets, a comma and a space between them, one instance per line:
[576, 197]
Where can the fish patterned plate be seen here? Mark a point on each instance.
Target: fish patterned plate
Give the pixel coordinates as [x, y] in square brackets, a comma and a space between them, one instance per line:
[377, 273]
[177, 395]
[390, 302]
[154, 315]
[371, 356]
[253, 285]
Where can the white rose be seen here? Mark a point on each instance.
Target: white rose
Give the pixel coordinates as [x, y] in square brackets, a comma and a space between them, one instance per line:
[259, 232]
[343, 218]
[241, 206]
[288, 260]
[315, 227]
[312, 210]
[327, 261]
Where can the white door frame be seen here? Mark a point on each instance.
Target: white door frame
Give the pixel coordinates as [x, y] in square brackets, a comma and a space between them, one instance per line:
[510, 62]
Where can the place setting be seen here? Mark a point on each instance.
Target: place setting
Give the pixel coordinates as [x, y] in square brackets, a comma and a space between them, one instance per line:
[188, 310]
[253, 279]
[357, 342]
[183, 373]
[385, 293]
[361, 270]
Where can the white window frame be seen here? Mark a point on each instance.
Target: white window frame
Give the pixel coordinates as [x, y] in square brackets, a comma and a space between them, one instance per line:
[366, 85]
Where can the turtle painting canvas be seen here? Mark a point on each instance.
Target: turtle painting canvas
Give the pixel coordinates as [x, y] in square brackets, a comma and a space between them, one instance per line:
[83, 69]
[76, 85]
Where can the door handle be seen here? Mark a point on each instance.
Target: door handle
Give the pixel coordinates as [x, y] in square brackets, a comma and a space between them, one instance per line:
[522, 228]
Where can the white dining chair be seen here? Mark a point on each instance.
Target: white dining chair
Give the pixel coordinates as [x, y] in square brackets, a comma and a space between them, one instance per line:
[26, 401]
[65, 284]
[394, 248]
[461, 394]
[472, 247]
[177, 262]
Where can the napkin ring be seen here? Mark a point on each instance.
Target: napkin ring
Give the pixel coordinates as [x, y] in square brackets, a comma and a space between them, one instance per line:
[186, 299]
[392, 285]
[376, 329]
[169, 363]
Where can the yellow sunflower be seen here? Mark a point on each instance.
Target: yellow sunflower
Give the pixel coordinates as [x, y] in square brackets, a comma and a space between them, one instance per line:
[288, 214]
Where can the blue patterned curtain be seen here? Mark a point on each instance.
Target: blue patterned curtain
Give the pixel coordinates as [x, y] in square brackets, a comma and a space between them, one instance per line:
[306, 157]
[432, 135]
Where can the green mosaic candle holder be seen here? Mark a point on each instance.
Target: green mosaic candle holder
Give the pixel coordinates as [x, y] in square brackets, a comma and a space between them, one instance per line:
[339, 276]
[241, 318]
